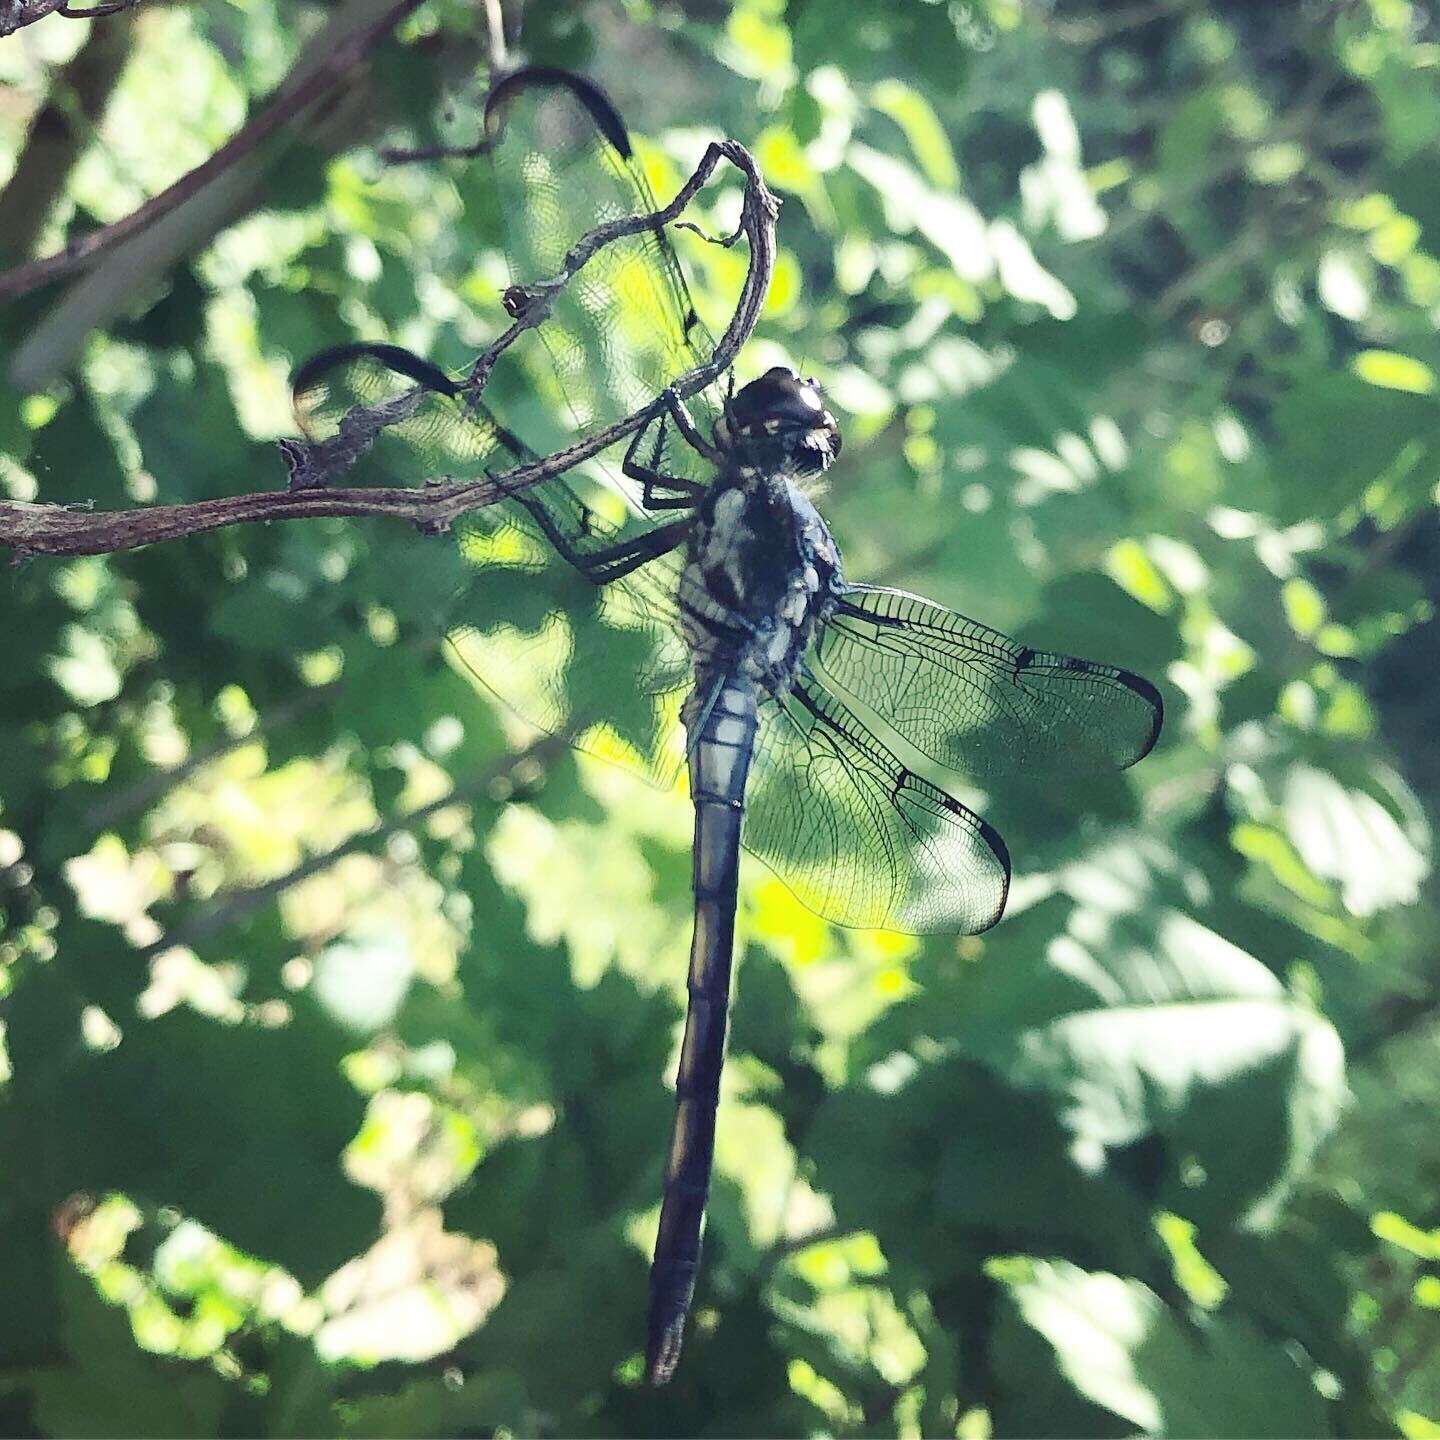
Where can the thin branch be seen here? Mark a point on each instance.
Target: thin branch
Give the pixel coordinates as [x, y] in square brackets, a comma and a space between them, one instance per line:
[155, 783]
[57, 135]
[499, 57]
[236, 904]
[425, 154]
[292, 98]
[789, 1245]
[93, 12]
[495, 26]
[14, 14]
[1249, 244]
[110, 284]
[34, 529]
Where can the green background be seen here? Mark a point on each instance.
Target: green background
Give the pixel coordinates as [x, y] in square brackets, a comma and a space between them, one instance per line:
[318, 1117]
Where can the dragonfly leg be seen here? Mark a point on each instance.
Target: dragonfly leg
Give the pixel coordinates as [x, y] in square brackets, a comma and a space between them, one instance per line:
[611, 562]
[687, 427]
[662, 491]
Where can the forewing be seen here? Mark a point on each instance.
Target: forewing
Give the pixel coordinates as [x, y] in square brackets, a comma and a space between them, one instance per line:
[562, 652]
[859, 838]
[973, 700]
[602, 665]
[625, 328]
[380, 414]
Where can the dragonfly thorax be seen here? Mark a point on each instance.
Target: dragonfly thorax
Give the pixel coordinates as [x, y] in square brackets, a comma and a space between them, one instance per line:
[762, 576]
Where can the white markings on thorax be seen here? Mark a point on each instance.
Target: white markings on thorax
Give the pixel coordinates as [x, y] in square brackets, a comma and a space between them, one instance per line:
[724, 540]
[757, 621]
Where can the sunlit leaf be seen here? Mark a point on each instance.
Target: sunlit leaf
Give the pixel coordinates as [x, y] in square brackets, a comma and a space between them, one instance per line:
[1394, 372]
[1119, 1347]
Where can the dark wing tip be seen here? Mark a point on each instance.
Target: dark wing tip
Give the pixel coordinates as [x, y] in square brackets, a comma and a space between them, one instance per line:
[587, 92]
[1140, 686]
[394, 357]
[985, 832]
[998, 848]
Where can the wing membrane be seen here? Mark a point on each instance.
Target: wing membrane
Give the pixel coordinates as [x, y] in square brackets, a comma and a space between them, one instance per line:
[561, 650]
[859, 838]
[391, 417]
[626, 327]
[567, 655]
[973, 700]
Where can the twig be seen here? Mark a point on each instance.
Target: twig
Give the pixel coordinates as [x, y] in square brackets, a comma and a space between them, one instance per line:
[155, 783]
[499, 56]
[1245, 247]
[289, 101]
[57, 135]
[14, 14]
[238, 903]
[93, 12]
[33, 529]
[495, 25]
[1091, 29]
[789, 1245]
[424, 154]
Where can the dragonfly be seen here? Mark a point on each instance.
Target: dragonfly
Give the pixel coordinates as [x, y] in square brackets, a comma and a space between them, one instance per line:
[691, 611]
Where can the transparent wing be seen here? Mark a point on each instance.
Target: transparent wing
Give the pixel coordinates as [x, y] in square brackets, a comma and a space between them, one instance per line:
[973, 700]
[564, 645]
[557, 646]
[389, 417]
[626, 327]
[856, 836]
[859, 838]
[602, 665]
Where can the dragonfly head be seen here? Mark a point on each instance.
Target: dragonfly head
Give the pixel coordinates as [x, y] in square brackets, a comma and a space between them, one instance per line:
[780, 422]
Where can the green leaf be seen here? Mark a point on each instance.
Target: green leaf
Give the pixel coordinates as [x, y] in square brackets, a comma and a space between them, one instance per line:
[237, 1126]
[1147, 1022]
[949, 222]
[1293, 1282]
[137, 1394]
[1119, 1347]
[1392, 371]
[1337, 435]
[1191, 132]
[1350, 837]
[910, 110]
[938, 1159]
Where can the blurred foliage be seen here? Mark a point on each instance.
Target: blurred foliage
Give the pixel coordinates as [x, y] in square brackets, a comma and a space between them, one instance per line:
[317, 1119]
